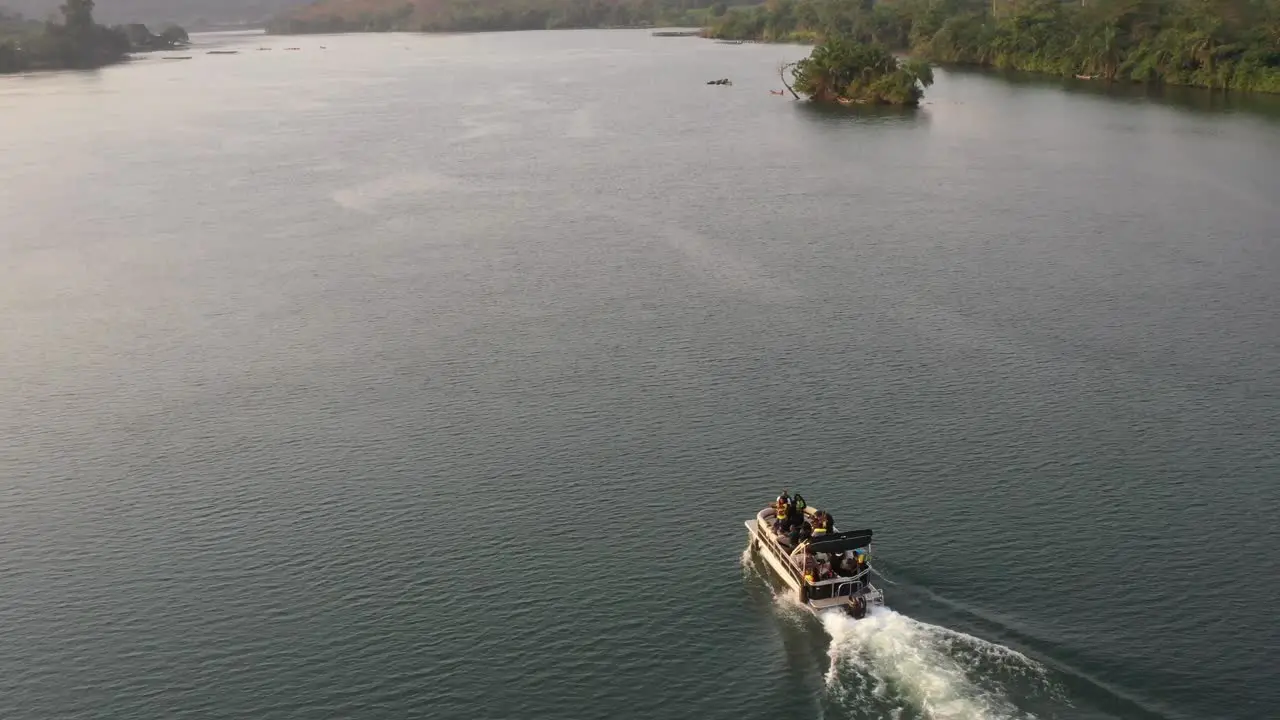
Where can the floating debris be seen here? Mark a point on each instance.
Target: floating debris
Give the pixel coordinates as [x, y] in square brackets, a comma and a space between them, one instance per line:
[721, 81]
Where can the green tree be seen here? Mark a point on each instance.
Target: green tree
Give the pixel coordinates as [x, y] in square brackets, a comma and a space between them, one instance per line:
[845, 71]
[175, 35]
[77, 42]
[78, 16]
[10, 59]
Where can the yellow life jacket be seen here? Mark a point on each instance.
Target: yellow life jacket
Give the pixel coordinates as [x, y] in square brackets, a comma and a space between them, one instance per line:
[819, 531]
[781, 512]
[808, 576]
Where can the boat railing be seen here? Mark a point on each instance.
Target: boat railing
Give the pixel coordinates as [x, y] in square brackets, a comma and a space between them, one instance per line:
[842, 578]
[839, 587]
[784, 553]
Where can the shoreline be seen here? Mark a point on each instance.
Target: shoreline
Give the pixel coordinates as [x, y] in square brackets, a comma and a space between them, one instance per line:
[988, 67]
[703, 34]
[676, 31]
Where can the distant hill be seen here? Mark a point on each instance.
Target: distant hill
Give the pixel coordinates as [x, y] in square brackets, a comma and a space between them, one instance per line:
[478, 15]
[192, 14]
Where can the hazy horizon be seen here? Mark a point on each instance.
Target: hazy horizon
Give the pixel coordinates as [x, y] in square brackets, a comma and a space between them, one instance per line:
[157, 11]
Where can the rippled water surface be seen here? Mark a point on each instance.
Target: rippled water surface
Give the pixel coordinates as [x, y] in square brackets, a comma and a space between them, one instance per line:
[434, 377]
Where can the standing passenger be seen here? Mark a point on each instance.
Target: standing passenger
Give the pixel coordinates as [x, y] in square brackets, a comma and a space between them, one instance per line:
[791, 508]
[860, 566]
[782, 513]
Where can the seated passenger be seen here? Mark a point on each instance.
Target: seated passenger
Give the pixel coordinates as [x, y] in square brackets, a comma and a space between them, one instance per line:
[799, 504]
[821, 523]
[828, 523]
[800, 532]
[844, 565]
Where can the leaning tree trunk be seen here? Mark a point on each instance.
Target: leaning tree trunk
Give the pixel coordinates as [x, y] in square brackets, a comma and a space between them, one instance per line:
[783, 77]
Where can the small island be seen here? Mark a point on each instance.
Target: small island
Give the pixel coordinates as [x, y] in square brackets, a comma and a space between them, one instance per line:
[78, 42]
[844, 71]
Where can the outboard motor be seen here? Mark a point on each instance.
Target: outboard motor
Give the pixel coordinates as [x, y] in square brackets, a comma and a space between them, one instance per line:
[858, 609]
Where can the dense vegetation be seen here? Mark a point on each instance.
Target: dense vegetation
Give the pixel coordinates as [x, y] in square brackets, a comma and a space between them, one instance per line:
[1208, 43]
[477, 15]
[76, 42]
[848, 72]
[157, 13]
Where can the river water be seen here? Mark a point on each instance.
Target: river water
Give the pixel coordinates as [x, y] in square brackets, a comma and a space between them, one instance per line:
[434, 376]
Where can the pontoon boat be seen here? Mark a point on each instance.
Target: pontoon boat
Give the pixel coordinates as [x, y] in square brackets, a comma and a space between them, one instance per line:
[799, 567]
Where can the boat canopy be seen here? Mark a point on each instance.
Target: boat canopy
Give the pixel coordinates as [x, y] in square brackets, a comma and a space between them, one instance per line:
[839, 542]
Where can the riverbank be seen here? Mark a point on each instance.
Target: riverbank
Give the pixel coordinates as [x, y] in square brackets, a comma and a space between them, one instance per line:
[342, 16]
[1170, 42]
[77, 43]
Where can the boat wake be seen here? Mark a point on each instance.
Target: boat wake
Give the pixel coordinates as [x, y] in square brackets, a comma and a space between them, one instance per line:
[889, 665]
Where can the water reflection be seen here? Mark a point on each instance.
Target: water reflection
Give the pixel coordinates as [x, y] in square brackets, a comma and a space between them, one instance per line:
[884, 115]
[1194, 99]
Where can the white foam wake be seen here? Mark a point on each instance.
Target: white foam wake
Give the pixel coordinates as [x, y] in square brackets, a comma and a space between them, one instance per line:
[905, 667]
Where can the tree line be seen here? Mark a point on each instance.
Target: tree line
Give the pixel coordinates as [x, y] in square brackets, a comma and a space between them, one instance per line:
[1207, 43]
[77, 42]
[487, 15]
